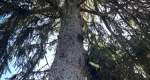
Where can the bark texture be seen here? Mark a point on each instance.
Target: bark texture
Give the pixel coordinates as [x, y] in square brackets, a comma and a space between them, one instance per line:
[69, 59]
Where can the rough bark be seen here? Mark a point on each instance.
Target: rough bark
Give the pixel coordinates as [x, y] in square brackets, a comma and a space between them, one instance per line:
[69, 59]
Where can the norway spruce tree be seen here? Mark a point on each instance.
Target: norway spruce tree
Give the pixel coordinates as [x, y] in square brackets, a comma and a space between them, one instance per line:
[93, 39]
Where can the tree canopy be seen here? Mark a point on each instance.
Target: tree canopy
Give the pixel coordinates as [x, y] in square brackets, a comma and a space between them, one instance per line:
[116, 36]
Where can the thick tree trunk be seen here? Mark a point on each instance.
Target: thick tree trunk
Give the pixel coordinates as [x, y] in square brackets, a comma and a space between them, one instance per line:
[69, 59]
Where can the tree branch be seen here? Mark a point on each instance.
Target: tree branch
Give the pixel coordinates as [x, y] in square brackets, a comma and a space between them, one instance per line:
[94, 12]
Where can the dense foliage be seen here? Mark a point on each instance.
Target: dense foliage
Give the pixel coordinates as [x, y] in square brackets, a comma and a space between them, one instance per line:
[116, 36]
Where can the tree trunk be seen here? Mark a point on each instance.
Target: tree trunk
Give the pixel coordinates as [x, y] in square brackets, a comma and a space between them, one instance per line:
[69, 59]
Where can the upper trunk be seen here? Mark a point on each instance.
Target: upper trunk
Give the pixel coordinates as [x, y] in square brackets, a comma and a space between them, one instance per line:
[69, 59]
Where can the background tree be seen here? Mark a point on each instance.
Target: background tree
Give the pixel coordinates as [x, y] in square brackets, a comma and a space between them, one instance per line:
[115, 34]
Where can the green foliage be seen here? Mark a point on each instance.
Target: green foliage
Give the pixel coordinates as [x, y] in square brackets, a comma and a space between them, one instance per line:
[116, 32]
